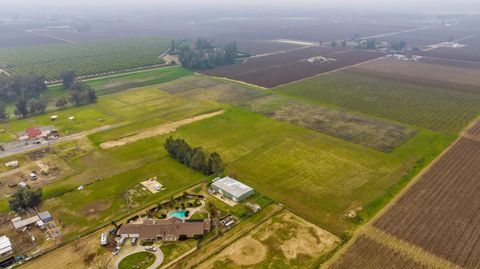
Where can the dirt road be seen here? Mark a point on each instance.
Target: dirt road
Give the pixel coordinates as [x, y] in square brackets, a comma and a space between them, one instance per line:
[158, 130]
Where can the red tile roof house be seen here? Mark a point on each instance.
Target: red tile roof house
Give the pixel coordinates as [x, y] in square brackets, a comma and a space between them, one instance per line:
[171, 229]
[33, 132]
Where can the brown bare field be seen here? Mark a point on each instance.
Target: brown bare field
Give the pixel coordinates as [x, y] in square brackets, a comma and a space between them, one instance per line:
[274, 70]
[474, 130]
[285, 241]
[440, 213]
[159, 130]
[367, 253]
[426, 73]
[71, 256]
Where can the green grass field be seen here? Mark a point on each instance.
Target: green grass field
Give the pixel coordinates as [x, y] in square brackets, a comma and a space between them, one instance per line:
[115, 83]
[318, 176]
[433, 108]
[86, 59]
[376, 133]
[137, 108]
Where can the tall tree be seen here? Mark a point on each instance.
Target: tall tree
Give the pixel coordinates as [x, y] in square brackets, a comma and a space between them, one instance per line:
[24, 199]
[21, 108]
[3, 112]
[68, 78]
[215, 163]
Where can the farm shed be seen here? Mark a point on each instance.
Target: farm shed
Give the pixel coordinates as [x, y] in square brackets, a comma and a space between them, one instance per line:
[232, 189]
[39, 220]
[45, 216]
[5, 245]
[18, 223]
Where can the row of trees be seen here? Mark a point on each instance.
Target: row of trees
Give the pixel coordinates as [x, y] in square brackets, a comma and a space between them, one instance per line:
[28, 108]
[204, 55]
[195, 158]
[21, 87]
[25, 198]
[80, 94]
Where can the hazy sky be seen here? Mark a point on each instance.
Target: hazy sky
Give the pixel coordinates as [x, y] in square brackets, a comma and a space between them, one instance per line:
[471, 6]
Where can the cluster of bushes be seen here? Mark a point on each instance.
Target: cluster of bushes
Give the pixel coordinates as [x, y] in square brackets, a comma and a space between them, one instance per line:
[25, 198]
[195, 158]
[204, 55]
[80, 93]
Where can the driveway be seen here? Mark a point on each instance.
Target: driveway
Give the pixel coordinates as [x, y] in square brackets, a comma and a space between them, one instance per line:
[127, 251]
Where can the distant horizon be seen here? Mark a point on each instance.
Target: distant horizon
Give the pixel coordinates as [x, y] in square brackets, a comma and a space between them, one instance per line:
[407, 6]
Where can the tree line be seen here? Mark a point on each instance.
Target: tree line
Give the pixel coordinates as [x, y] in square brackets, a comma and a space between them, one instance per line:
[26, 93]
[23, 91]
[205, 55]
[196, 158]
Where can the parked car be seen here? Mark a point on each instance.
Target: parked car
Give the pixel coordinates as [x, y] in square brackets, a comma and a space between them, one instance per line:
[152, 249]
[122, 240]
[134, 241]
[116, 251]
[103, 239]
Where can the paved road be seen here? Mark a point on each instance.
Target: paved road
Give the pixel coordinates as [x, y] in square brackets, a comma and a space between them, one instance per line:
[129, 251]
[17, 147]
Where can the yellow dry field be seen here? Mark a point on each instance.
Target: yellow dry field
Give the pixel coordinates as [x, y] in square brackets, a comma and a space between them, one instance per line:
[285, 241]
[71, 256]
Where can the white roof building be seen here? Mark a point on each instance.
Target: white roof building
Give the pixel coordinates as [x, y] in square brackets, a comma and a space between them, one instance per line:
[5, 245]
[232, 189]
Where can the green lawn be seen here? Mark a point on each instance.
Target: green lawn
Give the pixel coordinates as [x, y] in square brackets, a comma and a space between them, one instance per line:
[4, 207]
[433, 108]
[140, 260]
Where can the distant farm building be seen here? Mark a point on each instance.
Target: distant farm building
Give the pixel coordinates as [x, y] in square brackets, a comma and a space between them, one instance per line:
[171, 229]
[5, 246]
[232, 189]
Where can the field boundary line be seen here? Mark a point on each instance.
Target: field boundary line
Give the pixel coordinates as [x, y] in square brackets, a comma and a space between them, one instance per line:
[412, 251]
[389, 205]
[399, 32]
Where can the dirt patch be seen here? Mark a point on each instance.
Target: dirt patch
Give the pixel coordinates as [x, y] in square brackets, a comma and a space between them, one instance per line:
[285, 240]
[247, 251]
[96, 207]
[156, 131]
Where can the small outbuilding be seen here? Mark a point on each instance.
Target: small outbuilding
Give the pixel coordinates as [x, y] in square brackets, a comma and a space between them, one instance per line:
[45, 216]
[232, 189]
[5, 246]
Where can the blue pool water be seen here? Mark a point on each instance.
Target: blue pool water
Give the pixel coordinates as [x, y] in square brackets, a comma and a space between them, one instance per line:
[178, 214]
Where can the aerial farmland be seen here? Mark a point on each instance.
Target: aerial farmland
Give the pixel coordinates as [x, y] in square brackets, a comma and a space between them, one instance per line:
[262, 138]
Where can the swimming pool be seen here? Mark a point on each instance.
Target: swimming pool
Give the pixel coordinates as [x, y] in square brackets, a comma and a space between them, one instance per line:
[178, 214]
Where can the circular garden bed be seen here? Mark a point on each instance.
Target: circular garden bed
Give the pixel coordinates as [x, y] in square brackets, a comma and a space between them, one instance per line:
[140, 260]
